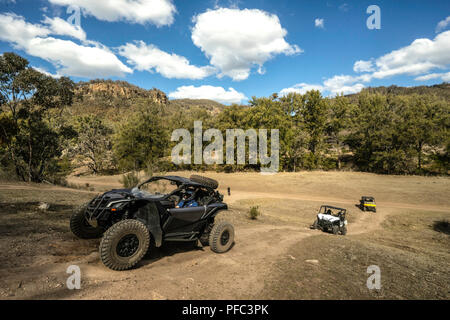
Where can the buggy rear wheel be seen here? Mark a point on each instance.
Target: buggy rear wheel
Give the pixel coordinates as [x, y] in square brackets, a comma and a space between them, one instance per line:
[221, 237]
[124, 244]
[81, 227]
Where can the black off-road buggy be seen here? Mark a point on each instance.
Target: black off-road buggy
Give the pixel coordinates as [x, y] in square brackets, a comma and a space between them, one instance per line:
[368, 204]
[331, 219]
[130, 219]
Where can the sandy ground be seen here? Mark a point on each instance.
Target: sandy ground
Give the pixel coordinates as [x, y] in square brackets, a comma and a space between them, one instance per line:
[276, 256]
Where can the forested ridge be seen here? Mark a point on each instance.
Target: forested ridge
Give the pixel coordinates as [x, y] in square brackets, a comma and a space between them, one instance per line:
[49, 127]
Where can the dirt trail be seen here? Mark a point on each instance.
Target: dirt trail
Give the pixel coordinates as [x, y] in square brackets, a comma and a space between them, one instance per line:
[182, 271]
[202, 274]
[368, 222]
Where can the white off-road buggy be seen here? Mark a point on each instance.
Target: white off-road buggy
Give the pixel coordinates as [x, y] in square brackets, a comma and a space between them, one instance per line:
[331, 219]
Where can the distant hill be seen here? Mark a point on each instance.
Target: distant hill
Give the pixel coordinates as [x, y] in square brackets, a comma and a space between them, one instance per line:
[115, 99]
[209, 105]
[441, 90]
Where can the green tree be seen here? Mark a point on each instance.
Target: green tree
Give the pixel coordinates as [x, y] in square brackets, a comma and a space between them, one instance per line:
[142, 140]
[338, 121]
[374, 136]
[93, 143]
[313, 112]
[421, 123]
[32, 144]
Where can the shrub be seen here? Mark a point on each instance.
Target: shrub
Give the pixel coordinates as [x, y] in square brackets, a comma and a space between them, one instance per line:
[254, 213]
[129, 180]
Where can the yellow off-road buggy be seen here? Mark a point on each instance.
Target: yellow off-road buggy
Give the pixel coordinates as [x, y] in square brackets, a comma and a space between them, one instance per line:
[368, 204]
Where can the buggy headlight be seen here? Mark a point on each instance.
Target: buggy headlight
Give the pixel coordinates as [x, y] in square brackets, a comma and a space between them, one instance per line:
[117, 205]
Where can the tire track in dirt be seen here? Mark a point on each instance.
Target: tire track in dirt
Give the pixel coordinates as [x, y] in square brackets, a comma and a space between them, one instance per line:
[202, 274]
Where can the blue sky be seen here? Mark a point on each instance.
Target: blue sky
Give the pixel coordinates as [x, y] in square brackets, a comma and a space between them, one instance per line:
[232, 50]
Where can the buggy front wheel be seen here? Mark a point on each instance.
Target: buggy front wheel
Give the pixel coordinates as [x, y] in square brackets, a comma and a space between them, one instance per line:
[221, 237]
[344, 230]
[335, 229]
[124, 244]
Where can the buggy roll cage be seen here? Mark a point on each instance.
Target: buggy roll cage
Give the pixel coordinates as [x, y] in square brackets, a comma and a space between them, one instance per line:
[341, 210]
[182, 183]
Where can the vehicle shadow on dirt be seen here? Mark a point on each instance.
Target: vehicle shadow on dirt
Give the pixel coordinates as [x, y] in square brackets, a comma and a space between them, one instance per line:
[168, 249]
[442, 226]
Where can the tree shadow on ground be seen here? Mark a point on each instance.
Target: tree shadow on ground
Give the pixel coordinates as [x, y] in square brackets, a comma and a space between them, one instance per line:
[25, 218]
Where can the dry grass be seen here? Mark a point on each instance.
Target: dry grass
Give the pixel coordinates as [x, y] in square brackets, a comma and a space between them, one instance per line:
[408, 238]
[333, 185]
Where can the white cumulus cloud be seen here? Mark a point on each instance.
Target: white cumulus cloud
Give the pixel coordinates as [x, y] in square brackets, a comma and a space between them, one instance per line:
[339, 84]
[61, 27]
[158, 12]
[208, 92]
[170, 65]
[319, 23]
[419, 57]
[237, 40]
[301, 88]
[68, 57]
[443, 76]
[442, 25]
[363, 66]
[343, 84]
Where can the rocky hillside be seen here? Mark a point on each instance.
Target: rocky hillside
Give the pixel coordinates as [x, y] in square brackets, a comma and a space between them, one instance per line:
[115, 100]
[117, 89]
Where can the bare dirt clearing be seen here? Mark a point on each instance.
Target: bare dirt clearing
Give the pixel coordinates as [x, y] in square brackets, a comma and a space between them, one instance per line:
[269, 257]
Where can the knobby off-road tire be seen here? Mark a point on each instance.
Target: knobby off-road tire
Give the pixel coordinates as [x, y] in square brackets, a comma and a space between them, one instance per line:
[205, 181]
[315, 225]
[335, 229]
[344, 230]
[221, 237]
[124, 244]
[81, 228]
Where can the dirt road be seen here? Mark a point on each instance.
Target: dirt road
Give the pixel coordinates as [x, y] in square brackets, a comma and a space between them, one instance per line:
[36, 267]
